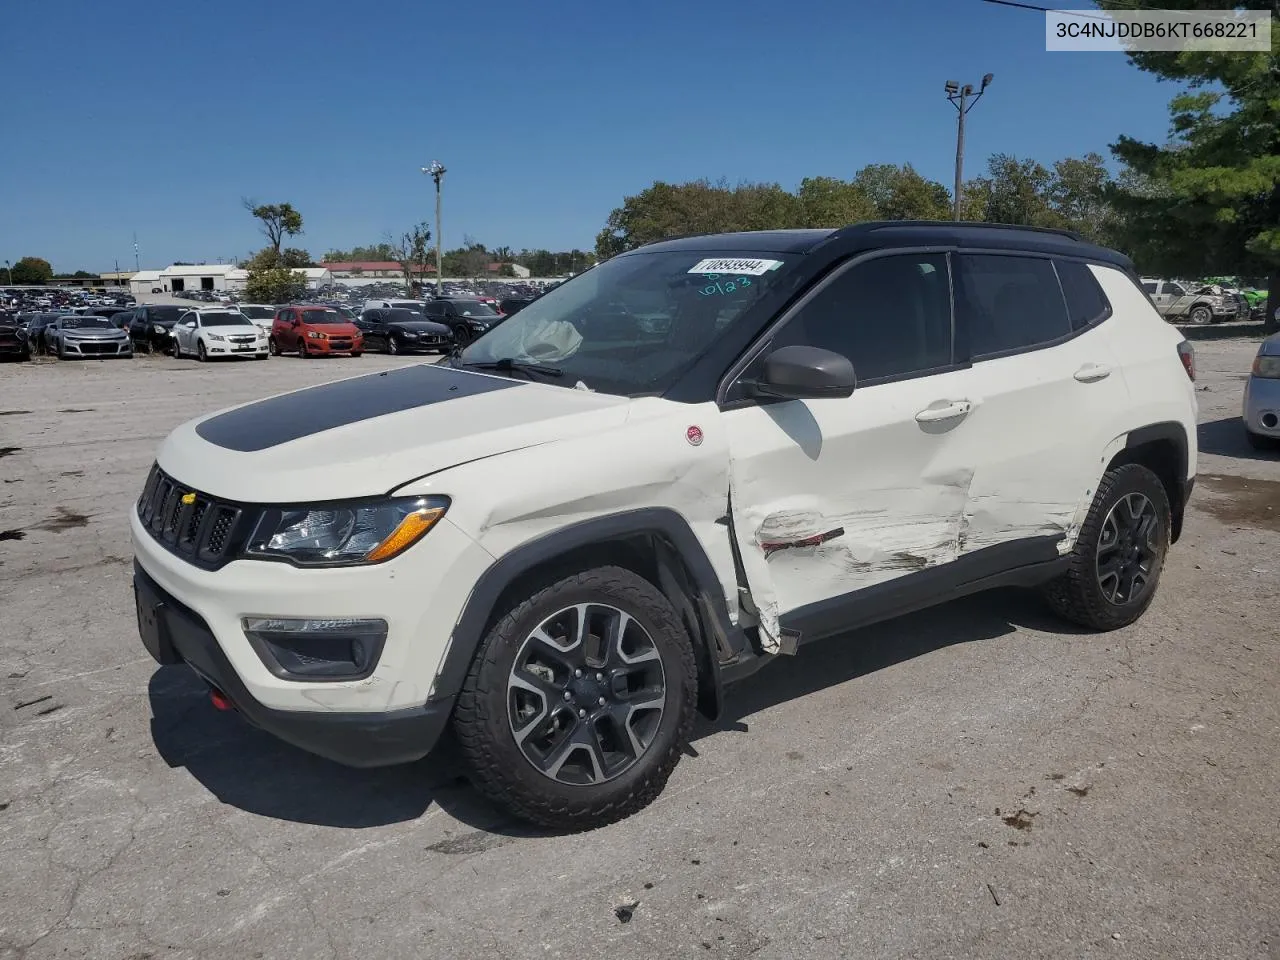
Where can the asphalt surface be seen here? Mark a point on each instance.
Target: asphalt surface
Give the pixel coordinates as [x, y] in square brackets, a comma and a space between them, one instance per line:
[980, 780]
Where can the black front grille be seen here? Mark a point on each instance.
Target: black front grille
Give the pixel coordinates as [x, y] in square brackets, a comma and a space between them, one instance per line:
[197, 527]
[90, 347]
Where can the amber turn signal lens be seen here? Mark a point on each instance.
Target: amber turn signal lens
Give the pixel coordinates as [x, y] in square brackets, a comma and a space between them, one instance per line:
[409, 532]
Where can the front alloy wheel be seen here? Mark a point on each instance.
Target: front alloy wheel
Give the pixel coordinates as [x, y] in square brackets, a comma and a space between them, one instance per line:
[586, 693]
[579, 699]
[1201, 315]
[393, 346]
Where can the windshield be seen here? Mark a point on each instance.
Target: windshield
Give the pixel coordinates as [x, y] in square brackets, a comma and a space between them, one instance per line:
[258, 313]
[474, 308]
[224, 320]
[322, 316]
[403, 316]
[632, 324]
[85, 323]
[407, 305]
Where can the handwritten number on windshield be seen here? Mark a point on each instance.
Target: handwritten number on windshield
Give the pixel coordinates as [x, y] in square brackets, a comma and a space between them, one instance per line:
[719, 287]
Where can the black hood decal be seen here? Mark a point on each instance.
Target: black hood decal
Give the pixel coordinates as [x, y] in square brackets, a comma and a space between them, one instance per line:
[293, 416]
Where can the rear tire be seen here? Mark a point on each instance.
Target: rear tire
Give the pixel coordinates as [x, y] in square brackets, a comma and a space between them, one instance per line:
[564, 771]
[1116, 563]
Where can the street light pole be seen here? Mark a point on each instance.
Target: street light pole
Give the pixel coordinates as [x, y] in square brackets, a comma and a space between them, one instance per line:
[10, 269]
[436, 171]
[963, 99]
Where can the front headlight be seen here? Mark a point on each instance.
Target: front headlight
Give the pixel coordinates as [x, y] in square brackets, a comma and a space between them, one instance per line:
[215, 336]
[344, 534]
[156, 328]
[317, 335]
[1266, 367]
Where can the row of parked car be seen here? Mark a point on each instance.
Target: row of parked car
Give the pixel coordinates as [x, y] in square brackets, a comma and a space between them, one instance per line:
[256, 330]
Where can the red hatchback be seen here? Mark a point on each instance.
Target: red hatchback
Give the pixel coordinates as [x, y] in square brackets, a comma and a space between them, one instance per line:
[314, 331]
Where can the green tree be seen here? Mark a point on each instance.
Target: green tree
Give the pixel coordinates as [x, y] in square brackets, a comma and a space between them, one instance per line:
[701, 206]
[1017, 192]
[900, 193]
[274, 285]
[32, 271]
[832, 202]
[279, 220]
[376, 253]
[1209, 200]
[295, 257]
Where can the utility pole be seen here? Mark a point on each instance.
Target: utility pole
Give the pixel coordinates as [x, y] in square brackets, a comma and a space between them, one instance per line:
[436, 171]
[963, 99]
[137, 268]
[10, 269]
[117, 271]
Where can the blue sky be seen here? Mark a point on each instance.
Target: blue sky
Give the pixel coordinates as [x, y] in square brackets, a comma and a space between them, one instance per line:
[156, 117]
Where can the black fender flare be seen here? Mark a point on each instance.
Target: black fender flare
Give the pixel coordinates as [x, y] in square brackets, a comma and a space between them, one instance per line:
[681, 566]
[1176, 434]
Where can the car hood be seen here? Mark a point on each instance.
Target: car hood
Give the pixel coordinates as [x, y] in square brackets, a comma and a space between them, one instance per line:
[419, 326]
[368, 435]
[1270, 346]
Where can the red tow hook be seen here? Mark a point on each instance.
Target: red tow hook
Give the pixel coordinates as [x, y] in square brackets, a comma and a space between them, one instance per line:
[220, 700]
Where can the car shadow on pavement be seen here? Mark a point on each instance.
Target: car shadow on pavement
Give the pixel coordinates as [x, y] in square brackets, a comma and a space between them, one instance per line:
[839, 659]
[253, 771]
[1226, 438]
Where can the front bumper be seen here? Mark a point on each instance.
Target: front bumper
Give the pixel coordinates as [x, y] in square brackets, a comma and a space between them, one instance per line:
[335, 346]
[173, 633]
[97, 348]
[1261, 411]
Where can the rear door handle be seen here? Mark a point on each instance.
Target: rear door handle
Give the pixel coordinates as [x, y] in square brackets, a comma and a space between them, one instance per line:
[944, 410]
[1093, 372]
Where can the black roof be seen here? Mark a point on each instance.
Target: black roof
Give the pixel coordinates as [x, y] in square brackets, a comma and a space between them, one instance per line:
[911, 233]
[761, 241]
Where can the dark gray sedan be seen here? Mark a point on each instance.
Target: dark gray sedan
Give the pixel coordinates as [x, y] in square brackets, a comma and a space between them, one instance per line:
[85, 336]
[403, 331]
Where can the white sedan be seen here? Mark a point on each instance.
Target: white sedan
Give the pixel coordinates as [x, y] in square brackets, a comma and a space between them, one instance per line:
[263, 315]
[217, 332]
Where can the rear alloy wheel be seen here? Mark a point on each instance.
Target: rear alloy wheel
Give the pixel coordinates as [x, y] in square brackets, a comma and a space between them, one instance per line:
[1118, 556]
[1201, 315]
[579, 700]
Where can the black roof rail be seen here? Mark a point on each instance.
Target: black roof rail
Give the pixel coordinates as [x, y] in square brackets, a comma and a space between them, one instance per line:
[967, 224]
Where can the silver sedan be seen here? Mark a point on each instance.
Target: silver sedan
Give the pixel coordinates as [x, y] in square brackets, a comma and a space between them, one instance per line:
[1262, 397]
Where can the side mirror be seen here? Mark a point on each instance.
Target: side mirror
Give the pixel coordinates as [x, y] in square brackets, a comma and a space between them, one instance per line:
[803, 373]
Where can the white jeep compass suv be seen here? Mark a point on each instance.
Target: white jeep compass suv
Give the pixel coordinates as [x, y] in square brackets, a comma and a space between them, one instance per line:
[658, 478]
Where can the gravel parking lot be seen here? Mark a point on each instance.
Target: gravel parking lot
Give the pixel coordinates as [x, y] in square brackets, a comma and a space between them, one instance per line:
[977, 781]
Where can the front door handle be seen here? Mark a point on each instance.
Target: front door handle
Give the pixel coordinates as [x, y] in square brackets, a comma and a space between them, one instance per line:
[1093, 372]
[943, 410]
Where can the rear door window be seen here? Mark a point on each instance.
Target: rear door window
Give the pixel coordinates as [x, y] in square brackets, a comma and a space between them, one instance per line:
[1008, 303]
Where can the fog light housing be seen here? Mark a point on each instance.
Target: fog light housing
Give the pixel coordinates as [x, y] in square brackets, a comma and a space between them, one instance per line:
[316, 649]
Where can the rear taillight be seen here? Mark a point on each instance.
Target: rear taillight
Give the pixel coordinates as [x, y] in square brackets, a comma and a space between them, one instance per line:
[1187, 354]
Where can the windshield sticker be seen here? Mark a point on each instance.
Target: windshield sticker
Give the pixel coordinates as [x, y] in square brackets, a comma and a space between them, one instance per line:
[752, 268]
[720, 286]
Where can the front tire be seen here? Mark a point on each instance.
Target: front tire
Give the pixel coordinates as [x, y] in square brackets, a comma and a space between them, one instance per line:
[201, 354]
[302, 350]
[579, 700]
[393, 347]
[1116, 563]
[273, 348]
[1201, 315]
[175, 350]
